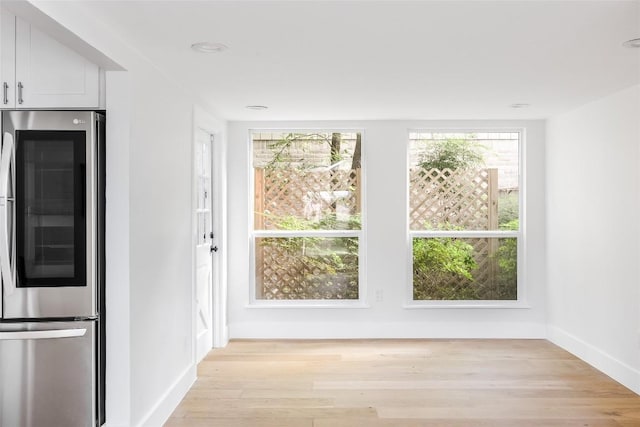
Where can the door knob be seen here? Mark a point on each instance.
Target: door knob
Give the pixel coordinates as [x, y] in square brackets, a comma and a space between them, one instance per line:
[214, 249]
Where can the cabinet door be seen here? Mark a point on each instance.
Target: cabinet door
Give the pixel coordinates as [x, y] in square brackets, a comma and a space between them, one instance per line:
[7, 59]
[50, 75]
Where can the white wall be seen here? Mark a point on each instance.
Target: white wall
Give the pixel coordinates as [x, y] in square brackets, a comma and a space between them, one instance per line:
[150, 361]
[593, 251]
[118, 395]
[384, 156]
[160, 238]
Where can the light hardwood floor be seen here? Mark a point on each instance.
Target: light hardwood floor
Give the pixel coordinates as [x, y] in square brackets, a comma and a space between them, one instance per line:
[402, 383]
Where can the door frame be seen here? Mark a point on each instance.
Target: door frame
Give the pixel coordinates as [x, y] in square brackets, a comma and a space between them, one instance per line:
[219, 325]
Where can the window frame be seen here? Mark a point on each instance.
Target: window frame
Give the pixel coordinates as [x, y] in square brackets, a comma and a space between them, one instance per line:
[254, 234]
[521, 289]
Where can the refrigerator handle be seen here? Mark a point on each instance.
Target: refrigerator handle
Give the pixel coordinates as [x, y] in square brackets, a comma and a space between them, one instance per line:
[6, 271]
[42, 335]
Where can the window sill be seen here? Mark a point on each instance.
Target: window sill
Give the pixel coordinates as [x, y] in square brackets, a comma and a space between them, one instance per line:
[466, 305]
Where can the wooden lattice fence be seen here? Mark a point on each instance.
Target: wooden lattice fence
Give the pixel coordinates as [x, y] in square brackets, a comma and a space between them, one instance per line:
[457, 200]
[465, 199]
[439, 200]
[299, 193]
[288, 269]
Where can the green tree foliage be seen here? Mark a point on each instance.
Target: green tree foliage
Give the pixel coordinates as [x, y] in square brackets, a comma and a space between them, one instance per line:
[507, 208]
[444, 255]
[453, 154]
[439, 262]
[507, 255]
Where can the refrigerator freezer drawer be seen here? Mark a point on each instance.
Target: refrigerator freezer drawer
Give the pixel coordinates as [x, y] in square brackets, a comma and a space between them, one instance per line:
[48, 374]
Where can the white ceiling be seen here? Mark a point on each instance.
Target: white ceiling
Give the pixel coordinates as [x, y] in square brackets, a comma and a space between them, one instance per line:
[387, 60]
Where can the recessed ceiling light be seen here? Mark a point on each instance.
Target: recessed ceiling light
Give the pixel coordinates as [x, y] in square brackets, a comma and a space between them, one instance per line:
[209, 47]
[256, 107]
[520, 105]
[632, 43]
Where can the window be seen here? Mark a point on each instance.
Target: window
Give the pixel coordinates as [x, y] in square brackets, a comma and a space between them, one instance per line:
[307, 215]
[464, 215]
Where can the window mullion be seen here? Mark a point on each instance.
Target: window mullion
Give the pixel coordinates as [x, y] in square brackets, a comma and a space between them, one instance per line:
[307, 233]
[465, 233]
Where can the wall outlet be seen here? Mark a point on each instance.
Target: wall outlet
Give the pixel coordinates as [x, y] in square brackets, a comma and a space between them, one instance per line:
[379, 295]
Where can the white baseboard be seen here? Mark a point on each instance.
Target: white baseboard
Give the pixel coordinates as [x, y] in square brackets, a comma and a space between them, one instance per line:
[609, 365]
[169, 401]
[382, 330]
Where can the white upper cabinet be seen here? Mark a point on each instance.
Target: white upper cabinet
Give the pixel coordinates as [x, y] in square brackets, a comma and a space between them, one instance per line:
[7, 59]
[48, 74]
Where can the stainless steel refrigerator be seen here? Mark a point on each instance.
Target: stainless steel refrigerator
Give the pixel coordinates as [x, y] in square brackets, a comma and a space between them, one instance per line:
[52, 269]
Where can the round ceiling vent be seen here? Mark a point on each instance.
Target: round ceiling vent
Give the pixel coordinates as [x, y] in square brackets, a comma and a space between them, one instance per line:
[209, 47]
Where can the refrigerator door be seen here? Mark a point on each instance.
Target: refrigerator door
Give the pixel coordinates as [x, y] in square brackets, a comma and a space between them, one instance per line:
[53, 183]
[48, 374]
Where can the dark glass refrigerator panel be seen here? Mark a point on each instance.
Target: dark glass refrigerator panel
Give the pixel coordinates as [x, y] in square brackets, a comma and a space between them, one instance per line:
[51, 214]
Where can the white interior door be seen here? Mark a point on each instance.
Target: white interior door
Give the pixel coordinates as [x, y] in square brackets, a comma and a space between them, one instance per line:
[205, 243]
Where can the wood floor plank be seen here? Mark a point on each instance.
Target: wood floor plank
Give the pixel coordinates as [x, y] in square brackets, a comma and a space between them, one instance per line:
[402, 383]
[239, 422]
[448, 422]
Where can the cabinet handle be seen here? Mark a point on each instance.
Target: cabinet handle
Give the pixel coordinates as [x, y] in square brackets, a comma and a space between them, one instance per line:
[20, 100]
[5, 92]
